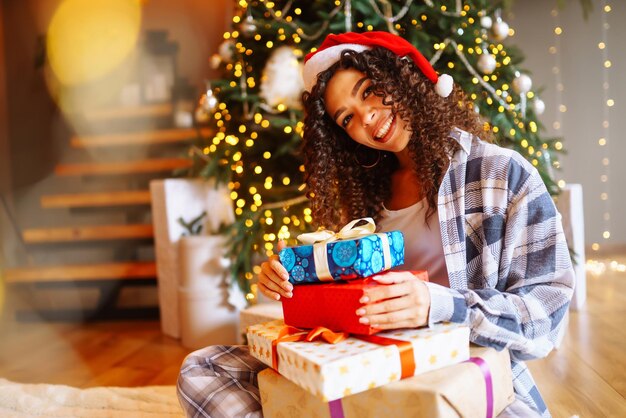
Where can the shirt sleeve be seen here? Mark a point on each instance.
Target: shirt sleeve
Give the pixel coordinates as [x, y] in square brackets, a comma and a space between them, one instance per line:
[521, 306]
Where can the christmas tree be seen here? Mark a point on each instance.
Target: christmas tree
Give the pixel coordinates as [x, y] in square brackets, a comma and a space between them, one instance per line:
[256, 114]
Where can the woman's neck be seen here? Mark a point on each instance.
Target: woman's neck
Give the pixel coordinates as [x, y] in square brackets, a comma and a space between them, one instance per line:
[405, 162]
[405, 187]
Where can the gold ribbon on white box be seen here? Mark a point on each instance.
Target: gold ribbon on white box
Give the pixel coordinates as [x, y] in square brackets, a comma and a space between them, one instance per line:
[320, 238]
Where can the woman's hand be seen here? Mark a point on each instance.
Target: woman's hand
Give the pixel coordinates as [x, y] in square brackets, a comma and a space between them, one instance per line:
[273, 279]
[404, 303]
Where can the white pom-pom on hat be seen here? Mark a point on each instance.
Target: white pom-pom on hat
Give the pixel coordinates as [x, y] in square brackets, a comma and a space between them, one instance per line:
[444, 84]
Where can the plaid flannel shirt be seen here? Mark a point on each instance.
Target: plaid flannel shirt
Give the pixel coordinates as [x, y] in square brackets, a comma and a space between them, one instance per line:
[511, 277]
[510, 280]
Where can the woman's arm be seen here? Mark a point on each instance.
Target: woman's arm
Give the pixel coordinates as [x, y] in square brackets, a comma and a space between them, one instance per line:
[535, 279]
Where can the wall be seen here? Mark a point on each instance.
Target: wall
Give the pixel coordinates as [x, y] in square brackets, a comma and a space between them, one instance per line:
[582, 77]
[197, 25]
[37, 131]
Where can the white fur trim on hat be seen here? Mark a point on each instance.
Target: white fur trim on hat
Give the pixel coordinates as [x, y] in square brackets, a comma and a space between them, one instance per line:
[322, 60]
[444, 85]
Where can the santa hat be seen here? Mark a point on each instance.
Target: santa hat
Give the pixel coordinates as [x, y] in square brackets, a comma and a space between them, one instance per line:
[330, 52]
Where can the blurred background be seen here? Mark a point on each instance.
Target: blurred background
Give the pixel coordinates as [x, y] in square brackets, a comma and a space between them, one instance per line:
[102, 100]
[97, 100]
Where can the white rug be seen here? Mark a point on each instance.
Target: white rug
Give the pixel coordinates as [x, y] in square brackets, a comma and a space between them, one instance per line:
[42, 400]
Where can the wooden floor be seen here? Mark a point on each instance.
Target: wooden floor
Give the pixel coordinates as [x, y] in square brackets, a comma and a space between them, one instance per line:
[586, 376]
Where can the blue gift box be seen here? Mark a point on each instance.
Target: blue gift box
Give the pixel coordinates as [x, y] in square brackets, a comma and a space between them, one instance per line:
[344, 259]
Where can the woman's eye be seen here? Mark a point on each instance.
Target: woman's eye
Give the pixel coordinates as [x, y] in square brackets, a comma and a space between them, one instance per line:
[346, 120]
[368, 90]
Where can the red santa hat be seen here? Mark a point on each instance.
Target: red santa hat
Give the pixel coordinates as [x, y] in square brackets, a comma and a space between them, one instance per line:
[330, 51]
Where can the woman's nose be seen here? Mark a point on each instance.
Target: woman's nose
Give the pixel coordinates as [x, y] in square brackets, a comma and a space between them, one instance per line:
[367, 116]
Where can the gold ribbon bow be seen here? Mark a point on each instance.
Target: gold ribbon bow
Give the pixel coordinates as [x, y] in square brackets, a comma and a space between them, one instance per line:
[320, 238]
[324, 236]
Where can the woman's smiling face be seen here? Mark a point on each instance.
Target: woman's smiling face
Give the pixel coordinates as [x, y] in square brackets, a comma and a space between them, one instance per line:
[352, 104]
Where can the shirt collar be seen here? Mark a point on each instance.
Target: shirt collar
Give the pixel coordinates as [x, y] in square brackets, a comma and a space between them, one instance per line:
[463, 138]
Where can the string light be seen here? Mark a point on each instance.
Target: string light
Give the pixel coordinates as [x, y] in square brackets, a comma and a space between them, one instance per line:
[555, 50]
[604, 141]
[598, 268]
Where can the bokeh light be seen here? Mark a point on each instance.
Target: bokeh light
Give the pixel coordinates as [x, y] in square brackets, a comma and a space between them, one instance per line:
[88, 39]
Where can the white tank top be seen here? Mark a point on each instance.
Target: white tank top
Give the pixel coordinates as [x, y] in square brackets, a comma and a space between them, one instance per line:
[423, 249]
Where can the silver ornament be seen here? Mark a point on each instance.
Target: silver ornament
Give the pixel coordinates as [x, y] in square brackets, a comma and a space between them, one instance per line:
[486, 22]
[201, 115]
[500, 30]
[486, 63]
[225, 50]
[208, 101]
[216, 60]
[248, 26]
[538, 106]
[522, 84]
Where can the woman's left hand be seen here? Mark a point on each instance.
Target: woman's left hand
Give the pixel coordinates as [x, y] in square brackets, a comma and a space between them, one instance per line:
[404, 303]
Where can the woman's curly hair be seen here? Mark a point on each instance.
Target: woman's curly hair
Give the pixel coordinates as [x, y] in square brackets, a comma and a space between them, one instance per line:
[340, 189]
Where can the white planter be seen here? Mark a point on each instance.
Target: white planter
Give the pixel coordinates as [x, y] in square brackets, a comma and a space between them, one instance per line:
[172, 199]
[206, 316]
[202, 261]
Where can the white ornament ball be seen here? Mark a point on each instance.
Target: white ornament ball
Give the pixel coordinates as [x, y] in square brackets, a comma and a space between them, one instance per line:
[201, 115]
[486, 63]
[500, 30]
[183, 119]
[538, 106]
[522, 84]
[225, 50]
[248, 26]
[208, 102]
[281, 82]
[486, 22]
[216, 60]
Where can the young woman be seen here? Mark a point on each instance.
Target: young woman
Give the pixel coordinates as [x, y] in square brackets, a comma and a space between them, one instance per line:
[385, 137]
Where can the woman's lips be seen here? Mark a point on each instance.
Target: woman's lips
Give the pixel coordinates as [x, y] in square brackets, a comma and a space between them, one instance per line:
[389, 133]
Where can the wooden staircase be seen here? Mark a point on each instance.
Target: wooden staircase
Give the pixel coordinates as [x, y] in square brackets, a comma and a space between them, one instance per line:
[110, 276]
[105, 271]
[86, 200]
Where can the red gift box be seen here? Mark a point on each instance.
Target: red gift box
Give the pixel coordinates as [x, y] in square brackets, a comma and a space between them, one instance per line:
[331, 305]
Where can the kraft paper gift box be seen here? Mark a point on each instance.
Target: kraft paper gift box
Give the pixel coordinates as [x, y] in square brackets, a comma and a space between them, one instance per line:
[348, 258]
[331, 305]
[459, 390]
[332, 371]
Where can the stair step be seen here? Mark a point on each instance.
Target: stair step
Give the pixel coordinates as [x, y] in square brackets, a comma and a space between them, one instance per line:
[130, 112]
[128, 167]
[87, 233]
[105, 271]
[78, 200]
[162, 136]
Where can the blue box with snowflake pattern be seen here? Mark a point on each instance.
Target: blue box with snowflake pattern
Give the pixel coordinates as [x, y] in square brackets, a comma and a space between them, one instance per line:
[344, 259]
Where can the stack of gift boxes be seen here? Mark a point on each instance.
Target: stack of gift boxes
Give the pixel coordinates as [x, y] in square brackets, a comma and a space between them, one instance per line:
[325, 363]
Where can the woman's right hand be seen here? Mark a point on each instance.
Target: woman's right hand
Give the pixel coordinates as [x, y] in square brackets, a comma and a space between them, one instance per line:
[273, 279]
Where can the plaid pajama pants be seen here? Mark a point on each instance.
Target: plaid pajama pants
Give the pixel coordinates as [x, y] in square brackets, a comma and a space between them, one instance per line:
[221, 382]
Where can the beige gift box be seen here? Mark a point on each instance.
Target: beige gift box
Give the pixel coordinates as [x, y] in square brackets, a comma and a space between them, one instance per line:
[258, 314]
[333, 371]
[454, 391]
